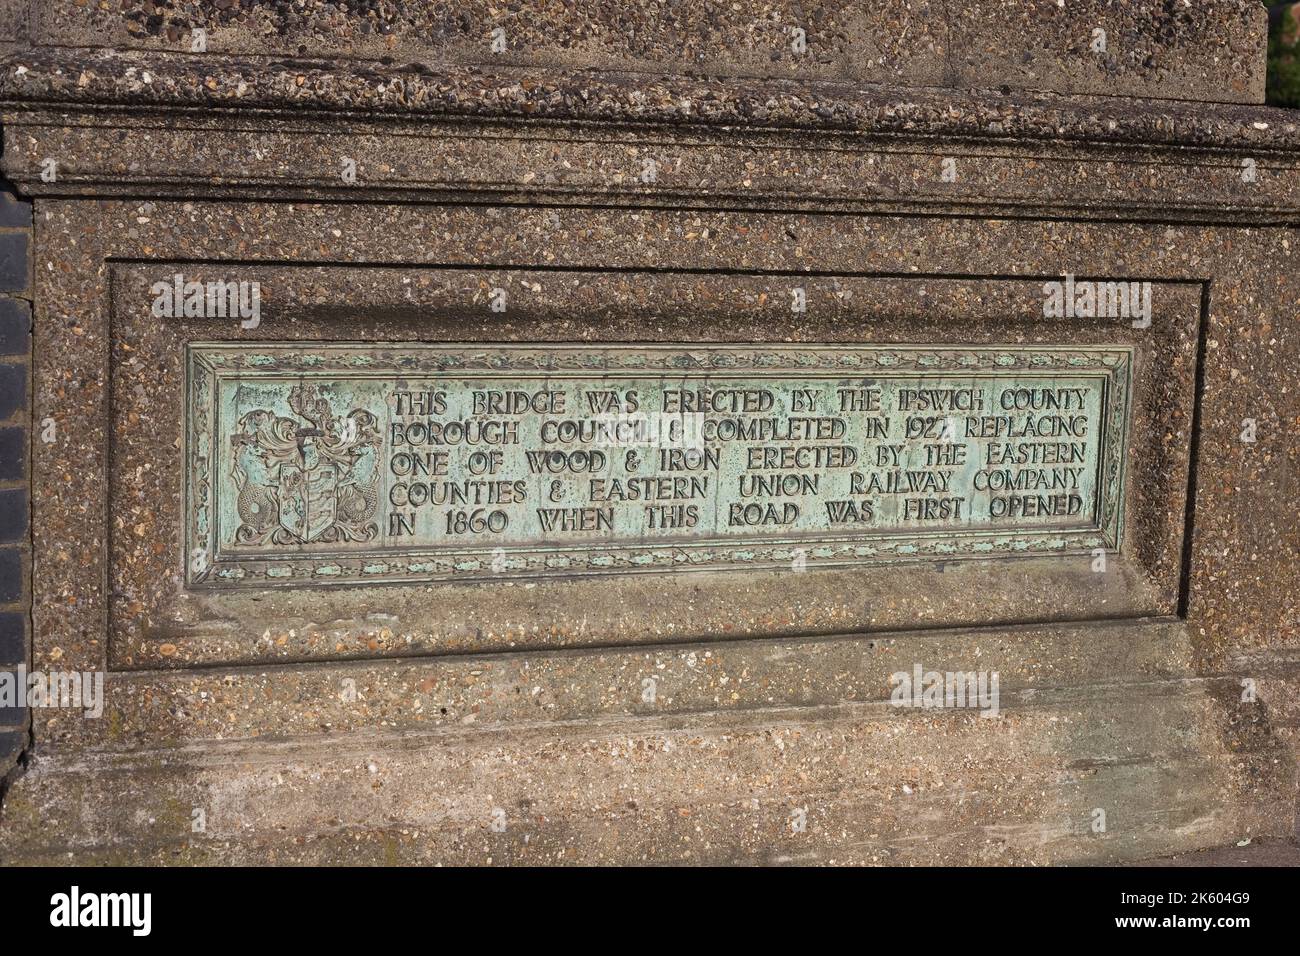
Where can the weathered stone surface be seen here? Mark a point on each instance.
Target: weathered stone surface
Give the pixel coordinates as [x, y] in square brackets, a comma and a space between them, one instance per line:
[725, 716]
[1208, 50]
[613, 305]
[745, 735]
[14, 21]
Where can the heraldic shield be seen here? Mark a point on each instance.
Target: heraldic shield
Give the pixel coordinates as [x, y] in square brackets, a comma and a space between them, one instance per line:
[314, 479]
[308, 499]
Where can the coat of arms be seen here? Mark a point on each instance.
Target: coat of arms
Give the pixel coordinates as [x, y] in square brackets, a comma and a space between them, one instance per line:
[306, 480]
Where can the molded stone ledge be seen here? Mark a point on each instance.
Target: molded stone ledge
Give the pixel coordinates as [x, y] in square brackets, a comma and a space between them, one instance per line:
[410, 158]
[85, 79]
[857, 785]
[1038, 665]
[285, 771]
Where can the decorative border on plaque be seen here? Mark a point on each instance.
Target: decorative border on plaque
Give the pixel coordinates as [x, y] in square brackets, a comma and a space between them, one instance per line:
[208, 363]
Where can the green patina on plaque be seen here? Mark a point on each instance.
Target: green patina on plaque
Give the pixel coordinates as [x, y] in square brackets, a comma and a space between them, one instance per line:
[343, 463]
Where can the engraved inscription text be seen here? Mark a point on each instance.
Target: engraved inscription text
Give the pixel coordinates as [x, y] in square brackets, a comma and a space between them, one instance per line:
[315, 464]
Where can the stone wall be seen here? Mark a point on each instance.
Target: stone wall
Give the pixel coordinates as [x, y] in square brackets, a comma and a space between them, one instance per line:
[920, 172]
[1208, 50]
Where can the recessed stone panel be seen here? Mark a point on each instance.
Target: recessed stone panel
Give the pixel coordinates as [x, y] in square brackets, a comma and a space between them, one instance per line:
[355, 570]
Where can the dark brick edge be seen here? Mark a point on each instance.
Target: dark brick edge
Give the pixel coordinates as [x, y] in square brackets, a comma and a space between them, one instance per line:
[16, 248]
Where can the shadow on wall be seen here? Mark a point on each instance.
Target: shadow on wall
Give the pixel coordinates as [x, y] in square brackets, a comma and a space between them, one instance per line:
[1283, 53]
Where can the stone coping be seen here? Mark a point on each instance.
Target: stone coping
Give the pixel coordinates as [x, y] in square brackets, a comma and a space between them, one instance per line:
[1211, 51]
[83, 79]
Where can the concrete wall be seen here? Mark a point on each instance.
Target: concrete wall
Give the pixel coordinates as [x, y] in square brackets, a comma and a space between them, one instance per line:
[499, 723]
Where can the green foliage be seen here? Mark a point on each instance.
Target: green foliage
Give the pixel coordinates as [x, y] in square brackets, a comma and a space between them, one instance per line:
[1284, 53]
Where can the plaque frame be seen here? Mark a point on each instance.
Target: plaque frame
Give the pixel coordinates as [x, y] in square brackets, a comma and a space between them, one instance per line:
[208, 566]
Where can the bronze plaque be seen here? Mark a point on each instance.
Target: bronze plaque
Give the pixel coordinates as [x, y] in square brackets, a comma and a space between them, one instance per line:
[311, 464]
